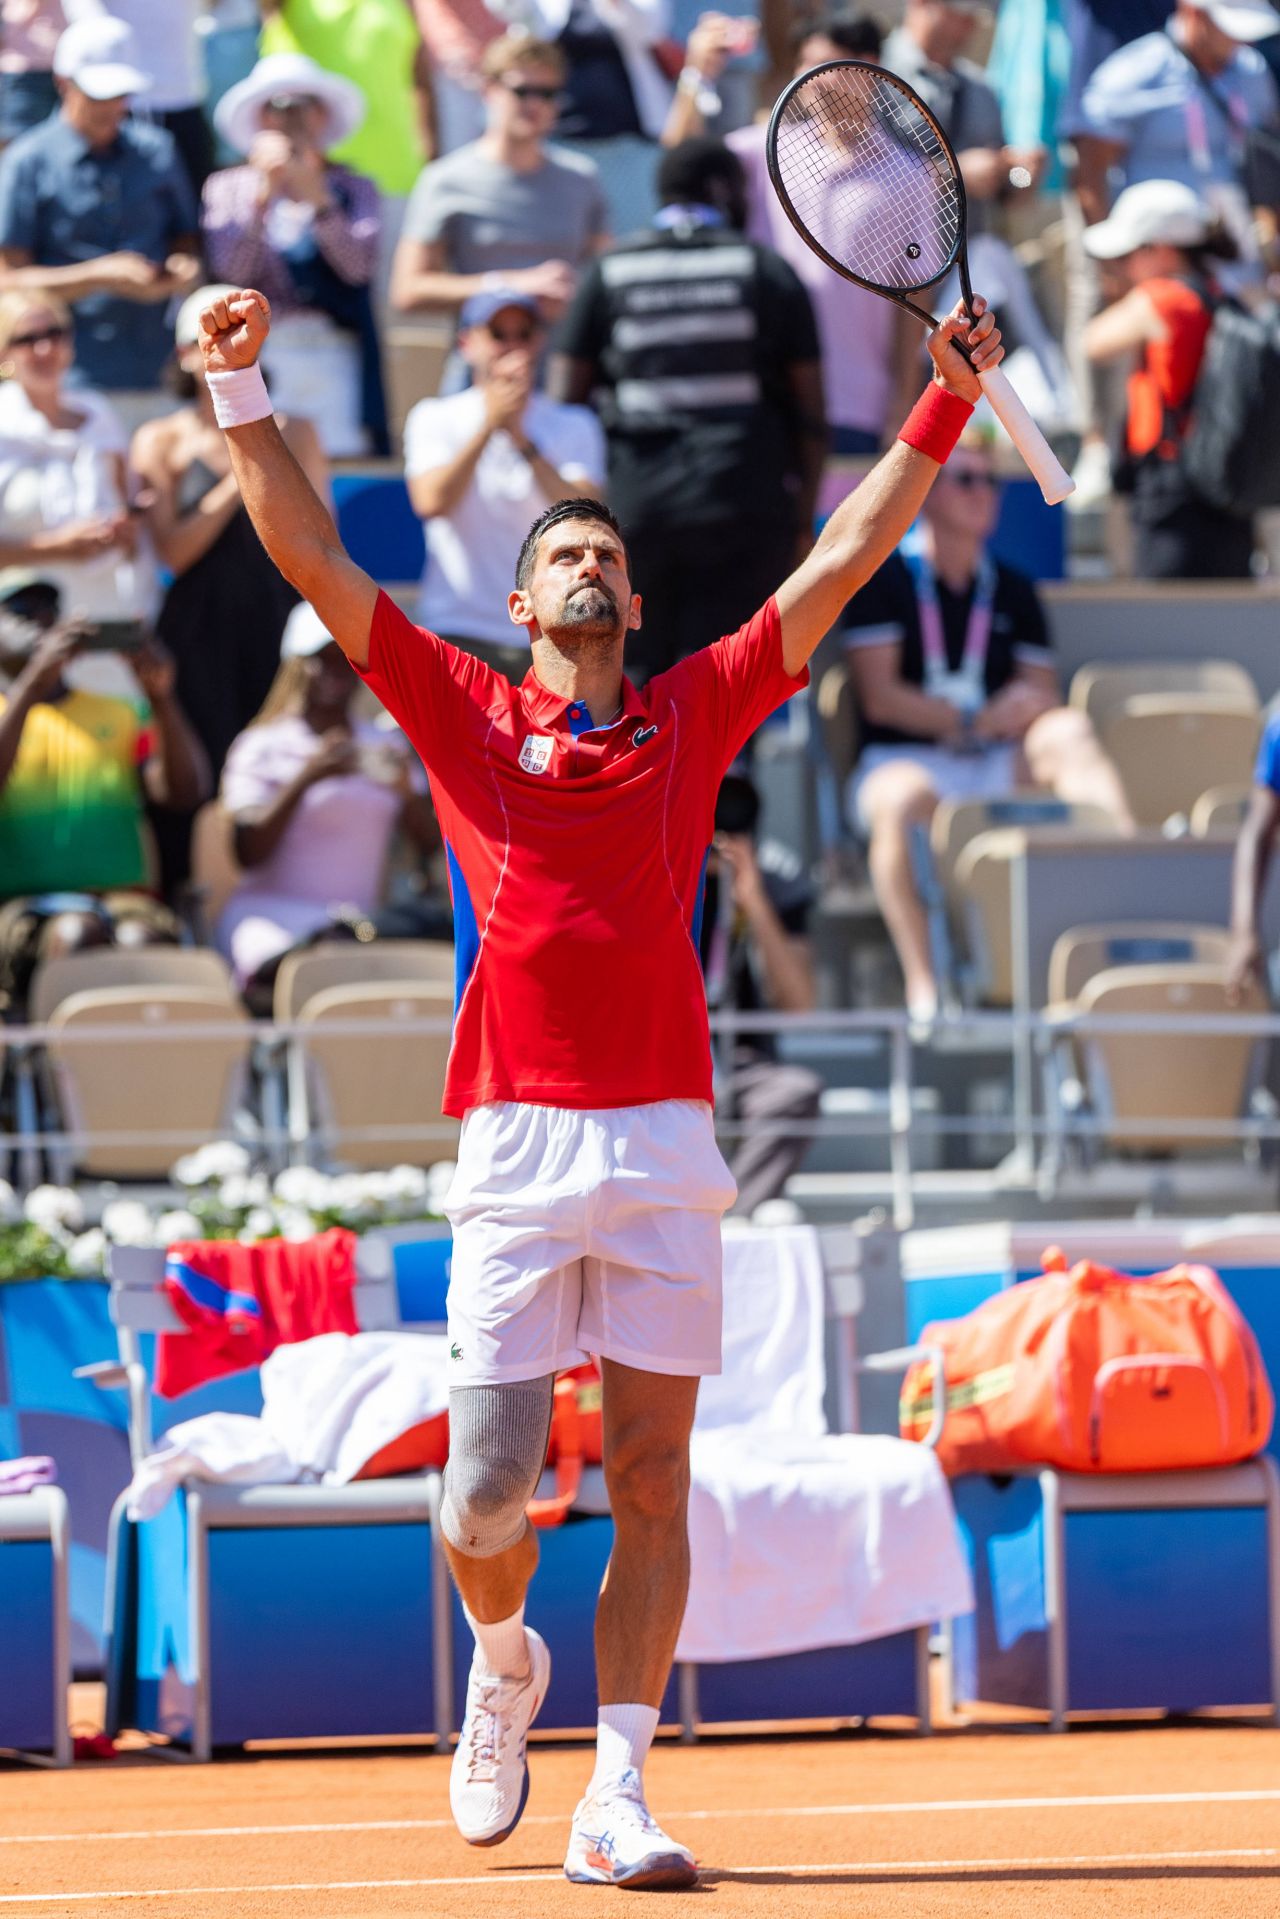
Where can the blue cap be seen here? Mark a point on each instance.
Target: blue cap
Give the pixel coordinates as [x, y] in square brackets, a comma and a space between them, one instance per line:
[481, 307]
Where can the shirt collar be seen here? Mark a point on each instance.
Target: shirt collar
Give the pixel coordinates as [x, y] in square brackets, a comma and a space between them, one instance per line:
[546, 708]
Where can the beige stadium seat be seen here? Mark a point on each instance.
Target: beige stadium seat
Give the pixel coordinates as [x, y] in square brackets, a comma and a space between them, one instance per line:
[104, 968]
[1084, 951]
[180, 1092]
[983, 890]
[352, 963]
[956, 822]
[1101, 690]
[385, 1078]
[838, 716]
[1170, 747]
[1220, 810]
[1145, 1077]
[215, 872]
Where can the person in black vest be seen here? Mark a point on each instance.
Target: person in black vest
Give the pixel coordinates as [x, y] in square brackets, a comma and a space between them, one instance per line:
[700, 351]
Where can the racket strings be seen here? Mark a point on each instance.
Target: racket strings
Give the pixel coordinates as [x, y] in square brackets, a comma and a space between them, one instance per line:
[867, 174]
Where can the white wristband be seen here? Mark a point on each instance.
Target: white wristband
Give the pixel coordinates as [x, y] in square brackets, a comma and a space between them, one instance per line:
[239, 398]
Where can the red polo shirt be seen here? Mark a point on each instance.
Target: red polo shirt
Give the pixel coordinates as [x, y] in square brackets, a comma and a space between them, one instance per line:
[577, 856]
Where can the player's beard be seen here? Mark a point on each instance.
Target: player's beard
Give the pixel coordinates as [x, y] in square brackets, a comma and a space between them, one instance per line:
[589, 614]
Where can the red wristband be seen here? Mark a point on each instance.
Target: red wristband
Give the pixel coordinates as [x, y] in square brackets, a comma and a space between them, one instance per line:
[936, 422]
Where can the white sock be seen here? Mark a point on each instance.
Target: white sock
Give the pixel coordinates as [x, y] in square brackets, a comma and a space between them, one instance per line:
[503, 1648]
[624, 1735]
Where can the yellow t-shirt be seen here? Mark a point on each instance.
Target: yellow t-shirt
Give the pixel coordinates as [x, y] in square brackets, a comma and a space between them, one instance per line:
[372, 42]
[71, 809]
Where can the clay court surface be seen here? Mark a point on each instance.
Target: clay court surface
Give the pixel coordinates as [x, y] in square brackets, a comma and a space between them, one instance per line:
[1154, 1820]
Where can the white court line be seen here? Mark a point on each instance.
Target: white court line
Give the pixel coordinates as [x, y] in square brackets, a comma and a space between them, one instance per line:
[490, 1881]
[867, 1809]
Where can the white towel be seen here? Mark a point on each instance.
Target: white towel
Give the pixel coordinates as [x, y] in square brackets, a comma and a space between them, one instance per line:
[803, 1542]
[773, 1369]
[328, 1405]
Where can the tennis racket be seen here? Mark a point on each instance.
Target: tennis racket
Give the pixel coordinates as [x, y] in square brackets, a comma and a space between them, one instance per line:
[869, 181]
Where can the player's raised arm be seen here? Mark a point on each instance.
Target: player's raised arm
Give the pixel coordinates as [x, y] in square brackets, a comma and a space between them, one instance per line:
[291, 521]
[866, 527]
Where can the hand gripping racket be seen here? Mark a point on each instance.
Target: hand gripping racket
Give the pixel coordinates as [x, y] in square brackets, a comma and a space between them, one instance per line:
[869, 180]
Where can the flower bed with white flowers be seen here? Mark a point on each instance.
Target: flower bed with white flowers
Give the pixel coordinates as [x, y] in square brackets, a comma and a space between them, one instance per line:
[48, 1235]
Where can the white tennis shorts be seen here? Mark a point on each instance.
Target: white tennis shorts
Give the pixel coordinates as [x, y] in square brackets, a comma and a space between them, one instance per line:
[586, 1233]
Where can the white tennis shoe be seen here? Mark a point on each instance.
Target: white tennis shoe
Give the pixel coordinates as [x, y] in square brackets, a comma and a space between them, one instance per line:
[616, 1841]
[489, 1780]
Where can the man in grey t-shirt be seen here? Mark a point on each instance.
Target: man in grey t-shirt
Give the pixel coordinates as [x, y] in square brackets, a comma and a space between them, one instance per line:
[507, 207]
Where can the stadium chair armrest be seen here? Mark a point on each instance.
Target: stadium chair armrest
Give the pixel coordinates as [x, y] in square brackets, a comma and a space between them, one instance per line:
[897, 1359]
[105, 1373]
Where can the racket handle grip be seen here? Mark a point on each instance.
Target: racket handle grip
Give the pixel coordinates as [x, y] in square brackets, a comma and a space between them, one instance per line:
[1045, 468]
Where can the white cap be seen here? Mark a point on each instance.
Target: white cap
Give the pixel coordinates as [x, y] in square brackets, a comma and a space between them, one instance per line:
[1154, 213]
[100, 57]
[305, 633]
[1241, 19]
[186, 328]
[238, 115]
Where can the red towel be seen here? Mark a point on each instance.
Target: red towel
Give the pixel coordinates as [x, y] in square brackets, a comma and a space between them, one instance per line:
[239, 1303]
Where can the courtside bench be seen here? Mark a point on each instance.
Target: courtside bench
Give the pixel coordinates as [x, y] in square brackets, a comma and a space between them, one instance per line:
[35, 1625]
[1115, 1592]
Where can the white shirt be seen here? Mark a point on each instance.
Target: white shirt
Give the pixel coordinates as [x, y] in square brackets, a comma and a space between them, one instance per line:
[52, 476]
[165, 35]
[471, 552]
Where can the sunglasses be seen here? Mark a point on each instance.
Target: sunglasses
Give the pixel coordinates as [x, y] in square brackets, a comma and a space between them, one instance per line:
[45, 336]
[969, 479]
[290, 102]
[521, 91]
[508, 336]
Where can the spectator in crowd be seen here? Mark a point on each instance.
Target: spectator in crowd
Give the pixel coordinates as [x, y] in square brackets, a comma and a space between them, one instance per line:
[1175, 105]
[482, 464]
[75, 768]
[29, 32]
[315, 797]
[1162, 240]
[64, 490]
[224, 613]
[96, 208]
[616, 94]
[165, 32]
[716, 431]
[1095, 28]
[303, 230]
[378, 45]
[1247, 960]
[870, 348]
[506, 208]
[456, 34]
[927, 50]
[957, 698]
[756, 958]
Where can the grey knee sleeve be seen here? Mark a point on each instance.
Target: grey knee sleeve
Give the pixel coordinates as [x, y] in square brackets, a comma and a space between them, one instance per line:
[497, 1449]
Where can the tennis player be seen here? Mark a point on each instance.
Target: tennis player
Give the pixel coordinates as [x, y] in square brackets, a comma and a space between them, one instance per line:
[577, 813]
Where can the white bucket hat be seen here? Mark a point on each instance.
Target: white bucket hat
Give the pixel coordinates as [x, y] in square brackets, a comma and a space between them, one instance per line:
[1154, 213]
[100, 57]
[305, 633]
[238, 115]
[1245, 20]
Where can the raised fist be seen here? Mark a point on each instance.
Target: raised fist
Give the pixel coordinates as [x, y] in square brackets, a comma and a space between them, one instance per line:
[232, 331]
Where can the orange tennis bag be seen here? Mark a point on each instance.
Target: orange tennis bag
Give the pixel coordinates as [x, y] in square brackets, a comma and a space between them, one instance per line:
[1095, 1372]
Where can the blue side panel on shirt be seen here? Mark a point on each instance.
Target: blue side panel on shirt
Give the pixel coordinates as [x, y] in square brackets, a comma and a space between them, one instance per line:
[699, 902]
[1267, 770]
[466, 933]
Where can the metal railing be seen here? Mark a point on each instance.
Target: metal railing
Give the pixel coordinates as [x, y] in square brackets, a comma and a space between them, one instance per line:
[1029, 1122]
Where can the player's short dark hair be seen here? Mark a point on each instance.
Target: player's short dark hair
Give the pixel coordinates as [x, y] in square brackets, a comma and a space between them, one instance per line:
[858, 35]
[581, 509]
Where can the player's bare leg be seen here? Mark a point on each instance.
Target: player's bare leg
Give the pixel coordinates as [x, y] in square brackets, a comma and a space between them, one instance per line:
[647, 1421]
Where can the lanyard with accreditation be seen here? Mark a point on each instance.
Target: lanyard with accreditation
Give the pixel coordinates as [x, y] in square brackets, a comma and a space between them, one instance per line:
[965, 686]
